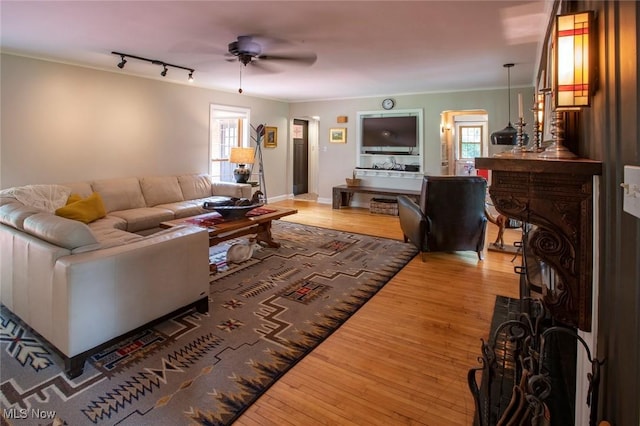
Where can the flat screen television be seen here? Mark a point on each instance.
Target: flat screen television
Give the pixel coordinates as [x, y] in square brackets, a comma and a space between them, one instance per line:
[390, 131]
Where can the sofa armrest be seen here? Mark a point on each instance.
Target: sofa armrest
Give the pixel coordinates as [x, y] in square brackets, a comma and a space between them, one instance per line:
[231, 189]
[413, 222]
[103, 294]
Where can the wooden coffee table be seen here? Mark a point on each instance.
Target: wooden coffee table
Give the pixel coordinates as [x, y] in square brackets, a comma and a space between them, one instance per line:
[229, 229]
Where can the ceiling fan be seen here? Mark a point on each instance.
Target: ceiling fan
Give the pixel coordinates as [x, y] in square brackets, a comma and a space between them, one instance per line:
[248, 51]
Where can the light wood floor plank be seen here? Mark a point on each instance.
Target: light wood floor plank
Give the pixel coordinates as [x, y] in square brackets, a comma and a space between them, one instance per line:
[403, 357]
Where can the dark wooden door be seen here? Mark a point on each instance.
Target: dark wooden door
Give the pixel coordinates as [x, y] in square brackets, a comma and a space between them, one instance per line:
[301, 157]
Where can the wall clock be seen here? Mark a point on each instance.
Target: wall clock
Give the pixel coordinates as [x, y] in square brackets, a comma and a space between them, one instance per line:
[388, 103]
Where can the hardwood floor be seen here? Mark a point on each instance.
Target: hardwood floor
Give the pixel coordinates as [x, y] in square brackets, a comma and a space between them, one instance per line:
[403, 357]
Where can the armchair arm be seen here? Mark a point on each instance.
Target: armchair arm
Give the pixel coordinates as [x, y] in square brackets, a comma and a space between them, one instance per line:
[413, 222]
[231, 189]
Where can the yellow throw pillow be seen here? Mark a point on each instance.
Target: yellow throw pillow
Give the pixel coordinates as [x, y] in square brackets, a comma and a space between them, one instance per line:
[73, 198]
[85, 210]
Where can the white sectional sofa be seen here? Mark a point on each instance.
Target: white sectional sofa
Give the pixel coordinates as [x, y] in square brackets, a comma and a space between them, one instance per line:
[84, 286]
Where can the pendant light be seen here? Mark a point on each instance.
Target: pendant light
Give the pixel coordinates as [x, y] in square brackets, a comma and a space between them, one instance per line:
[508, 135]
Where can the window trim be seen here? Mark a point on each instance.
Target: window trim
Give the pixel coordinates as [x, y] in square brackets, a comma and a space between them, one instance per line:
[226, 112]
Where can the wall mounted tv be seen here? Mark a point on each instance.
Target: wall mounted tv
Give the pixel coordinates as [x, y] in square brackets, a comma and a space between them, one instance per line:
[390, 131]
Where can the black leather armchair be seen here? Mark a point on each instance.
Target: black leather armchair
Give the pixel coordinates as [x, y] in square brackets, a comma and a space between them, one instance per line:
[449, 217]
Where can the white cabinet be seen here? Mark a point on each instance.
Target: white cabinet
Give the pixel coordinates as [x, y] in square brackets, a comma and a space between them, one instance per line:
[385, 156]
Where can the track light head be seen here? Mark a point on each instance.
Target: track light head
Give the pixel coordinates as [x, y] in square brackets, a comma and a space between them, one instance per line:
[164, 71]
[190, 76]
[122, 62]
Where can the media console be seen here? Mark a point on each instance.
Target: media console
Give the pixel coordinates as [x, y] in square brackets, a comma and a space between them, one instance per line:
[342, 194]
[388, 153]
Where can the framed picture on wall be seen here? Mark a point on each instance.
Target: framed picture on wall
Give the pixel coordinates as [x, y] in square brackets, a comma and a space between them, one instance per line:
[270, 137]
[338, 135]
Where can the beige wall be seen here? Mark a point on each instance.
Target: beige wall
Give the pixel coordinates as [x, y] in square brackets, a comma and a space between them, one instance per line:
[63, 123]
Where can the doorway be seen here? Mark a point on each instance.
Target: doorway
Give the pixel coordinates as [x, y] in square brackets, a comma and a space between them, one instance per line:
[300, 157]
[465, 136]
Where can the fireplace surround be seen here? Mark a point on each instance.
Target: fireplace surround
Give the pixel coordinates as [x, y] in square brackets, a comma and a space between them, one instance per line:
[556, 196]
[529, 363]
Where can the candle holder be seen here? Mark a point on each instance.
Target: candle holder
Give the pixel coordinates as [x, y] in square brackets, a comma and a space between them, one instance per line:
[520, 147]
[557, 148]
[538, 111]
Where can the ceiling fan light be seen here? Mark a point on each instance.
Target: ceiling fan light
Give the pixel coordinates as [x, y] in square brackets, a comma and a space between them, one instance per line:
[245, 44]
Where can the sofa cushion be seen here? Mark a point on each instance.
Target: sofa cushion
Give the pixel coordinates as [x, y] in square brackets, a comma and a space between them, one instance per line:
[85, 210]
[59, 231]
[109, 222]
[183, 208]
[195, 186]
[111, 237]
[107, 238]
[119, 194]
[160, 190]
[83, 189]
[14, 214]
[230, 189]
[7, 200]
[44, 197]
[143, 218]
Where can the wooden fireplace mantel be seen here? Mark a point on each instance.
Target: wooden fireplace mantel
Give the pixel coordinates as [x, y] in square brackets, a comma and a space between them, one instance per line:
[557, 197]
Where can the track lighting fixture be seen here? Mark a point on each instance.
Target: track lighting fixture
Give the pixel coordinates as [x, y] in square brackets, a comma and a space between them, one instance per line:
[123, 61]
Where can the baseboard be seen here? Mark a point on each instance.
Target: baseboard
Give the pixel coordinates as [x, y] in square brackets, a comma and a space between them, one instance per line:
[278, 198]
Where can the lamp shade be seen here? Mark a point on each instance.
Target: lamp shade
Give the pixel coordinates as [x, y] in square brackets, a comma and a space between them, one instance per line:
[573, 60]
[242, 155]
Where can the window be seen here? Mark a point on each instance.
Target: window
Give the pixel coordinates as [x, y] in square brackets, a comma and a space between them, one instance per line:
[229, 128]
[470, 142]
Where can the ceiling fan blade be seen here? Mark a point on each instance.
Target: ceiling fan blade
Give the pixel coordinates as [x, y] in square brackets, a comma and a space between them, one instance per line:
[303, 58]
[262, 67]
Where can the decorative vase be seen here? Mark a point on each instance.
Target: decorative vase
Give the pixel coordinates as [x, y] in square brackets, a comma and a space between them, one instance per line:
[242, 173]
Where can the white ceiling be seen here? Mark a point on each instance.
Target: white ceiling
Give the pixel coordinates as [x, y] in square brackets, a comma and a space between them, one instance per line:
[363, 48]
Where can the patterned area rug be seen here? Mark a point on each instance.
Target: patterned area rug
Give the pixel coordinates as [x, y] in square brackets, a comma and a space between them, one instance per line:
[265, 314]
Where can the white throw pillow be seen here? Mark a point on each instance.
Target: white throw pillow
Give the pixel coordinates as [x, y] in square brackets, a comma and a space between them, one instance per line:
[44, 197]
